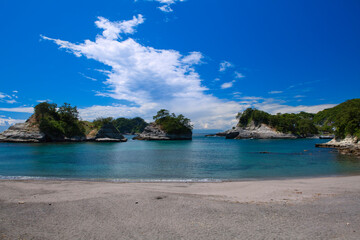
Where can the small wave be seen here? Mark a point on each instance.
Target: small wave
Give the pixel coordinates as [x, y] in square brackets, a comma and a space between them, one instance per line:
[118, 180]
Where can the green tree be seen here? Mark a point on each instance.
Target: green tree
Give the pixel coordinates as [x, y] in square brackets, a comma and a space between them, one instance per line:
[173, 124]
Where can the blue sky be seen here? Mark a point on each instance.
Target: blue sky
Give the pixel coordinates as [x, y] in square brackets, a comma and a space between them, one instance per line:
[205, 59]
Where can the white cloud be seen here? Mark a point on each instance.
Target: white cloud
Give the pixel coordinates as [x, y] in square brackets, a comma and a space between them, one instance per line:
[227, 85]
[46, 100]
[299, 96]
[150, 79]
[18, 109]
[85, 76]
[112, 30]
[238, 75]
[8, 98]
[275, 92]
[11, 101]
[225, 65]
[274, 108]
[9, 121]
[3, 95]
[252, 98]
[192, 58]
[166, 4]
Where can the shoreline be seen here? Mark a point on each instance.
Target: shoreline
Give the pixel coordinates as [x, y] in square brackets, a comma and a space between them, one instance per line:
[189, 180]
[311, 208]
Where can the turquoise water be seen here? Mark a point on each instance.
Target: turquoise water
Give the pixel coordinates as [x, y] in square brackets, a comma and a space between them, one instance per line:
[202, 159]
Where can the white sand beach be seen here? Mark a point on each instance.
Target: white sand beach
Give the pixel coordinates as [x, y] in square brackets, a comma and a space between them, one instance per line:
[312, 208]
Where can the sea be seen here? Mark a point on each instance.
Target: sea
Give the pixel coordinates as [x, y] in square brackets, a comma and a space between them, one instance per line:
[203, 159]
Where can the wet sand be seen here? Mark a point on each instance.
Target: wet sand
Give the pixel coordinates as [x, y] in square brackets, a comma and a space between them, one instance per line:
[313, 208]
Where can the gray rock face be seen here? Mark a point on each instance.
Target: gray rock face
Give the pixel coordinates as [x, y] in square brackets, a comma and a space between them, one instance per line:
[348, 146]
[29, 132]
[108, 133]
[22, 132]
[258, 132]
[154, 132]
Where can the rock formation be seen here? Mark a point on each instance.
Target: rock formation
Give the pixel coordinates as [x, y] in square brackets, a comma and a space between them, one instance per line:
[154, 132]
[261, 131]
[349, 145]
[23, 132]
[108, 133]
[29, 132]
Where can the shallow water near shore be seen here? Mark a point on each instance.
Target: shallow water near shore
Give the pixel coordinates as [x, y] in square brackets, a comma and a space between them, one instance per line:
[202, 159]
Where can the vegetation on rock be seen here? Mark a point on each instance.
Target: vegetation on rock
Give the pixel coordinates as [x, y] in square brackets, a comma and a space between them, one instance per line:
[130, 125]
[124, 125]
[300, 124]
[341, 120]
[173, 124]
[59, 122]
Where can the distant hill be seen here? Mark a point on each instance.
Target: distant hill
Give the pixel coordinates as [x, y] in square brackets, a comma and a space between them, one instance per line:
[342, 120]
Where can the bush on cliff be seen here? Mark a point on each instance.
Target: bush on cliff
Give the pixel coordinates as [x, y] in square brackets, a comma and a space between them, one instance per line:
[130, 125]
[300, 124]
[124, 125]
[58, 123]
[343, 119]
[171, 123]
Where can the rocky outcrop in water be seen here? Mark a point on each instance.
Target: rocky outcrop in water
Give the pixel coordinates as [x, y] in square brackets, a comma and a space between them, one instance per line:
[29, 132]
[154, 132]
[348, 146]
[261, 131]
[23, 132]
[108, 133]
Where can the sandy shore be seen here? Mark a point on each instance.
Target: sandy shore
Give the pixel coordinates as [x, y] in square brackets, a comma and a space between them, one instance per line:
[316, 208]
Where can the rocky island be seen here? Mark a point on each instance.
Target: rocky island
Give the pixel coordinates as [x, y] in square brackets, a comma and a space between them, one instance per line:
[256, 124]
[167, 127]
[344, 119]
[52, 124]
[340, 123]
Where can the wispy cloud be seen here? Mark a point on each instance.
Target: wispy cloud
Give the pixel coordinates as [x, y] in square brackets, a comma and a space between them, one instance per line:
[299, 96]
[8, 98]
[46, 100]
[227, 84]
[112, 30]
[149, 79]
[225, 65]
[275, 92]
[9, 121]
[85, 76]
[166, 4]
[18, 109]
[238, 75]
[10, 101]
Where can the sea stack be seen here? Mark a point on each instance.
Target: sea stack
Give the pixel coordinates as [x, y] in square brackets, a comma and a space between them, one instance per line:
[27, 132]
[167, 127]
[348, 146]
[261, 131]
[154, 132]
[52, 124]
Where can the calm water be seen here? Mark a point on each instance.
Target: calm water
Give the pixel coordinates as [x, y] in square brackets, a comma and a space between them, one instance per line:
[202, 159]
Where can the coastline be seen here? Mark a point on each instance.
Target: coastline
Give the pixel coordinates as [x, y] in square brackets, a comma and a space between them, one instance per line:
[316, 208]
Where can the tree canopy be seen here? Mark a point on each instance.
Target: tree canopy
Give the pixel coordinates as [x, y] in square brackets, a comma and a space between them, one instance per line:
[58, 122]
[171, 123]
[341, 120]
[300, 124]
